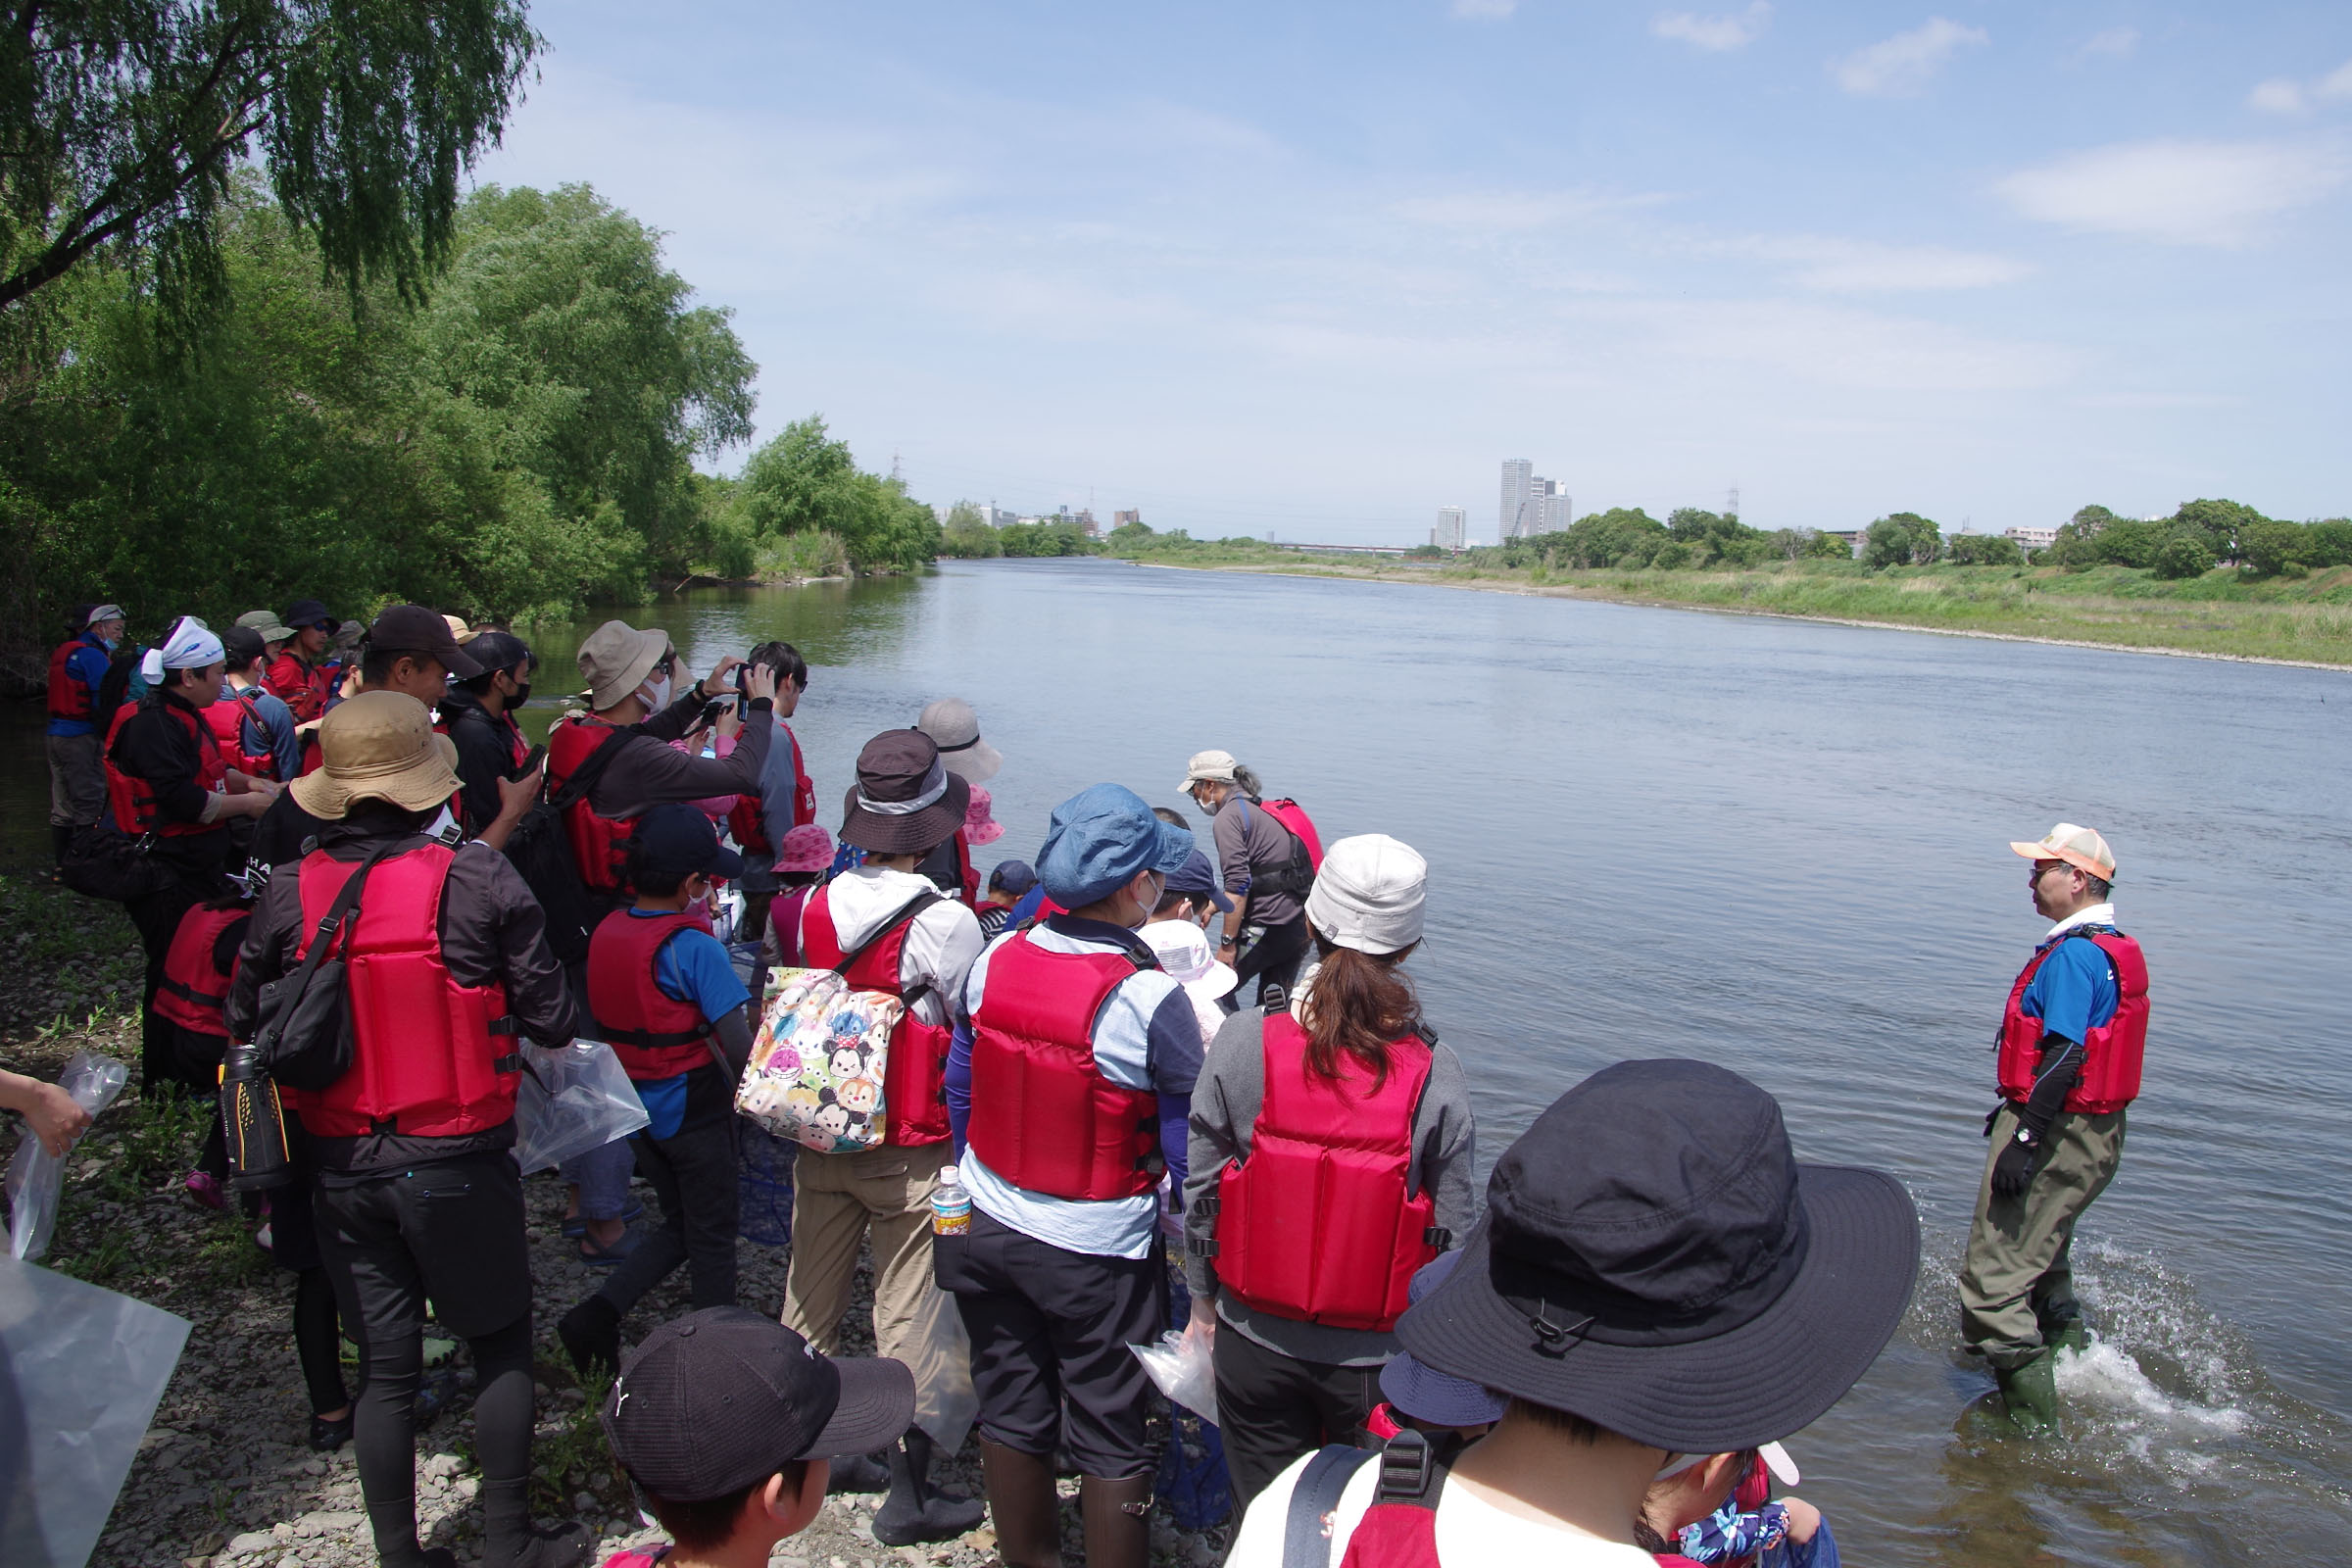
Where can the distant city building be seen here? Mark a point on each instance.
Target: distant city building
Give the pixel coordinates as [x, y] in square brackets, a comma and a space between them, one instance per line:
[1550, 503]
[1452, 526]
[1518, 485]
[1854, 538]
[2031, 538]
[1121, 519]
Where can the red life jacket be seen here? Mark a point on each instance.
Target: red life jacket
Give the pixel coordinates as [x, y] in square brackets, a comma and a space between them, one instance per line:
[1044, 1118]
[226, 718]
[132, 799]
[430, 1058]
[1400, 1527]
[914, 1080]
[2111, 1056]
[1292, 815]
[600, 845]
[194, 988]
[69, 697]
[655, 1035]
[1317, 1223]
[305, 688]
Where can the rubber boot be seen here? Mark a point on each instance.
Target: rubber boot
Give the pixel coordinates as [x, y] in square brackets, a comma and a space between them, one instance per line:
[590, 1336]
[2029, 1392]
[2062, 1327]
[860, 1472]
[1118, 1515]
[1022, 1505]
[510, 1541]
[915, 1512]
[61, 838]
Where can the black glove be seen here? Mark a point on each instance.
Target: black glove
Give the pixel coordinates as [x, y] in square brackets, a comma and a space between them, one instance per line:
[2013, 1167]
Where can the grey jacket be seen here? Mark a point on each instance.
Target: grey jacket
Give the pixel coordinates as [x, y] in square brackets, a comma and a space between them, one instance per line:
[1225, 1105]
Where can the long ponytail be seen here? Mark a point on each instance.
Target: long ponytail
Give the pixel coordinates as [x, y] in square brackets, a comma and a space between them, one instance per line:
[1358, 1004]
[1251, 784]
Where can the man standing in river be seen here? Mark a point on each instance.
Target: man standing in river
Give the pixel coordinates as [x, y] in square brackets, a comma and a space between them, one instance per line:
[2071, 1043]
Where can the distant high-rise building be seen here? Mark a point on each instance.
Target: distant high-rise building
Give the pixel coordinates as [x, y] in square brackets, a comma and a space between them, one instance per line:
[1550, 503]
[1518, 476]
[1121, 519]
[1452, 526]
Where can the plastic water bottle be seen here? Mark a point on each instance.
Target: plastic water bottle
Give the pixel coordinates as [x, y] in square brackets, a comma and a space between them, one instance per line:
[950, 1204]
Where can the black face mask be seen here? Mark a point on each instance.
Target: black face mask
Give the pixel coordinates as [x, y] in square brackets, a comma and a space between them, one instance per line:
[523, 695]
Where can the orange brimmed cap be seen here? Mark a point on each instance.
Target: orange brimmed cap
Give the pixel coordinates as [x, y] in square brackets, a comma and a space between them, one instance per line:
[2079, 846]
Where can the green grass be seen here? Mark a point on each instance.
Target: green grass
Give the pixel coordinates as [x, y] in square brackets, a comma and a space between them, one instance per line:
[2302, 617]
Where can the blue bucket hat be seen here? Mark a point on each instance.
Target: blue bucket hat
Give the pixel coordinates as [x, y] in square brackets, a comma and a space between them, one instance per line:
[1101, 839]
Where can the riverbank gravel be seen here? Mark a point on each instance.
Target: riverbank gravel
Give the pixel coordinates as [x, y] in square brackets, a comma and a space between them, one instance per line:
[225, 1478]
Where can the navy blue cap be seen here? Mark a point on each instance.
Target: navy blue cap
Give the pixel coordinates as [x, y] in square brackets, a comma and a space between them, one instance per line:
[1013, 876]
[1425, 1393]
[1101, 839]
[1197, 875]
[675, 837]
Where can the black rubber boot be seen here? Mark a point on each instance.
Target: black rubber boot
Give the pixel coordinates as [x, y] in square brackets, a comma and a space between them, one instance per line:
[860, 1472]
[914, 1511]
[510, 1541]
[590, 1336]
[1022, 1505]
[61, 838]
[1118, 1515]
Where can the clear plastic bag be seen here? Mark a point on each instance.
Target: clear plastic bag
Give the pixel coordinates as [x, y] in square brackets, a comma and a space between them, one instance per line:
[572, 1099]
[83, 1370]
[36, 1178]
[1179, 1364]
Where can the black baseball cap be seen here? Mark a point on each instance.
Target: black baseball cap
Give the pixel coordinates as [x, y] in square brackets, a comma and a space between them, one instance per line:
[1197, 875]
[723, 1398]
[242, 644]
[304, 612]
[1655, 1259]
[500, 649]
[675, 837]
[415, 629]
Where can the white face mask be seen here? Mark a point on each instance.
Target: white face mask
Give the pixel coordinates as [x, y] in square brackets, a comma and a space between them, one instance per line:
[656, 692]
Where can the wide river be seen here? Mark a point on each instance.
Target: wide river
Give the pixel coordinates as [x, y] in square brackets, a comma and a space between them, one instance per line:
[1784, 848]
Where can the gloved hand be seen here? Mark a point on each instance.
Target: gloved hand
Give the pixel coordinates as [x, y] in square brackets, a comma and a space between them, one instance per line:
[2013, 1167]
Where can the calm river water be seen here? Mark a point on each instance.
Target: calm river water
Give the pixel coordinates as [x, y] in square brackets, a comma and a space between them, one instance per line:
[1780, 846]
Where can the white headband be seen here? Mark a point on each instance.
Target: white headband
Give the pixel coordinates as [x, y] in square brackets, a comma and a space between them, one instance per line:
[934, 784]
[191, 646]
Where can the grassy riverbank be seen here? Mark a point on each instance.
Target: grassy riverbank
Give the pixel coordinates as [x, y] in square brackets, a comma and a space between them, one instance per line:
[2221, 615]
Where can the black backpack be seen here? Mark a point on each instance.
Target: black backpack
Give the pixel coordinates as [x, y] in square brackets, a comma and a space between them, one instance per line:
[540, 851]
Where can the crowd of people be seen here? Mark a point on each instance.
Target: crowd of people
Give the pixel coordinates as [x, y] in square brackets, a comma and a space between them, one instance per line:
[1134, 1048]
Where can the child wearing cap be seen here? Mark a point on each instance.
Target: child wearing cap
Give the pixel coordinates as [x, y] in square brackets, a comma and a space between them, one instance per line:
[726, 1421]
[664, 990]
[1007, 885]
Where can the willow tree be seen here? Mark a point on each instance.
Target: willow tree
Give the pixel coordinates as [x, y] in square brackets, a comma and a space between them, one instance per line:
[121, 120]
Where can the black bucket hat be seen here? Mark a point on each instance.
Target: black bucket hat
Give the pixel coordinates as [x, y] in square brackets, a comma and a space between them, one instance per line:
[905, 802]
[1653, 1259]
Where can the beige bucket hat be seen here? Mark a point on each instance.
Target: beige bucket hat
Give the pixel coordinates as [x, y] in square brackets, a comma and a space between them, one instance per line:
[616, 658]
[378, 746]
[1215, 767]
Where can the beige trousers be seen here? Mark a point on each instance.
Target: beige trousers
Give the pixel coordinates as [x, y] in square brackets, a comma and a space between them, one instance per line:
[841, 1199]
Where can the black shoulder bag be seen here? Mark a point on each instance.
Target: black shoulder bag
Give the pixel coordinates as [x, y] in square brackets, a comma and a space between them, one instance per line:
[541, 853]
[303, 1039]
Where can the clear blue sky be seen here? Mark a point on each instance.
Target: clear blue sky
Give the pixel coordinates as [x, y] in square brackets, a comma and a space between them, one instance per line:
[1318, 269]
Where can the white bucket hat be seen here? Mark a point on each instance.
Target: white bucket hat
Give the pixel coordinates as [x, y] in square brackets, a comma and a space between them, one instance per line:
[955, 729]
[1183, 950]
[1369, 895]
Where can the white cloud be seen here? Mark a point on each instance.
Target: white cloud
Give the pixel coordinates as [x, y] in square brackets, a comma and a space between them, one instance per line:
[1897, 66]
[2337, 83]
[2277, 96]
[1485, 9]
[2180, 192]
[1718, 33]
[2116, 41]
[1833, 266]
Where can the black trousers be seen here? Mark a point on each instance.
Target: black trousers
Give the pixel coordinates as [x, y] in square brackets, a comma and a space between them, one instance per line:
[1274, 958]
[1272, 1409]
[453, 1231]
[1049, 1331]
[695, 1176]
